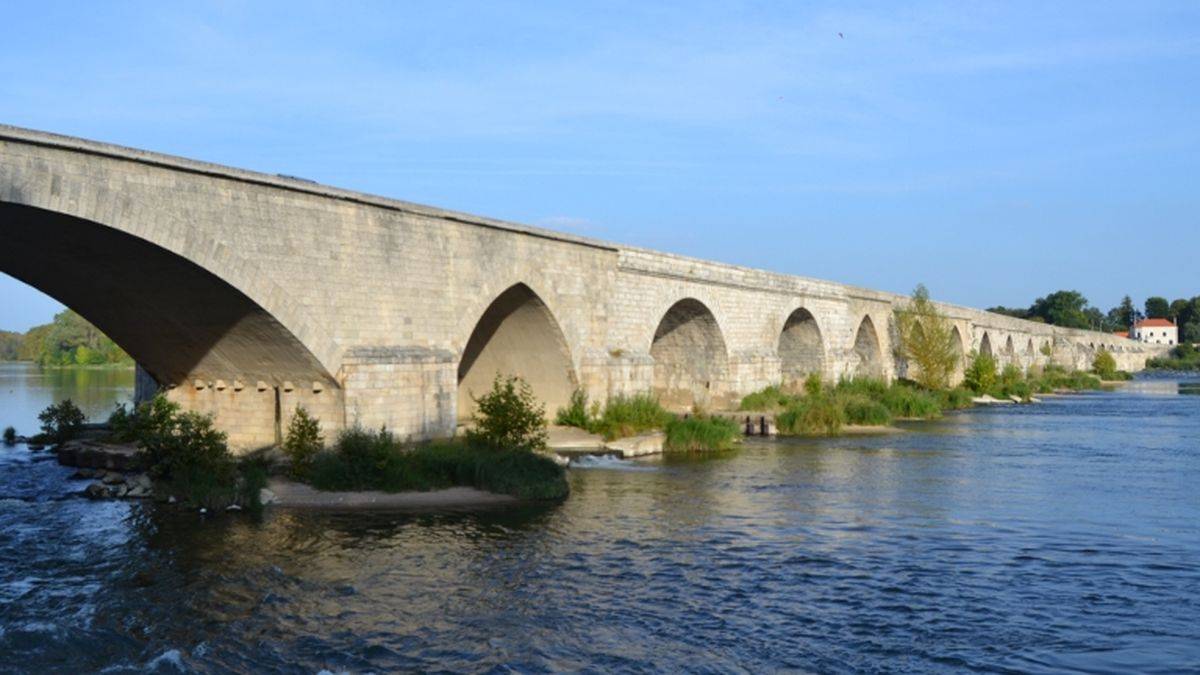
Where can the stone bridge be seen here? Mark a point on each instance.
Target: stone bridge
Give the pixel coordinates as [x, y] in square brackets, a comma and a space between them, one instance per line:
[245, 294]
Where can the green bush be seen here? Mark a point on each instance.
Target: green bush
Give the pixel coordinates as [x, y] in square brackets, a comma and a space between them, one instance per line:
[508, 417]
[698, 433]
[366, 460]
[980, 375]
[302, 442]
[147, 419]
[954, 399]
[768, 399]
[188, 457]
[1104, 365]
[812, 415]
[630, 415]
[576, 412]
[10, 436]
[61, 421]
[927, 340]
[863, 410]
[813, 385]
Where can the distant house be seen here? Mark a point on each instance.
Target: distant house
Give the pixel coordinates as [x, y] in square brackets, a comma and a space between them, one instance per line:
[1121, 333]
[1155, 331]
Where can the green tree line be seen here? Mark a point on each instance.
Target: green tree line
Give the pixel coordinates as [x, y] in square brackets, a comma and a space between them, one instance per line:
[68, 340]
[1071, 309]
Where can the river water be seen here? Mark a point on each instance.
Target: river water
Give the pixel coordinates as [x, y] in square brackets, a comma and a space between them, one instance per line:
[1055, 537]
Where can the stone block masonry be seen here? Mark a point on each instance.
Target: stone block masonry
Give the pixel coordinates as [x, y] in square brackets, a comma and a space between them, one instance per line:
[245, 294]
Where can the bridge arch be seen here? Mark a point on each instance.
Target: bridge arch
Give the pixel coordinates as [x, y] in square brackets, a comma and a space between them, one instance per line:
[985, 345]
[176, 314]
[867, 353]
[1010, 351]
[960, 355]
[691, 360]
[516, 334]
[801, 348]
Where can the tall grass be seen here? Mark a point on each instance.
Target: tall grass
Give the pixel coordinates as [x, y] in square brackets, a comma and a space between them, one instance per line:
[812, 415]
[766, 400]
[698, 433]
[621, 416]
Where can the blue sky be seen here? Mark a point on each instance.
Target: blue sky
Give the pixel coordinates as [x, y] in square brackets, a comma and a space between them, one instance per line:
[994, 151]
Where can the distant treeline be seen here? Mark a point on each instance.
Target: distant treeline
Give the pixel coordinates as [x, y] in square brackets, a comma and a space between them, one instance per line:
[1071, 310]
[69, 340]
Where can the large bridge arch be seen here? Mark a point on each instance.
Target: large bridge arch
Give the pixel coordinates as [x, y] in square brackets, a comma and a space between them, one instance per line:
[691, 360]
[960, 355]
[801, 348]
[516, 334]
[193, 331]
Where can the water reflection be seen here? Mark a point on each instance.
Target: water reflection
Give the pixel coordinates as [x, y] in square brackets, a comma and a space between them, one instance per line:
[1059, 536]
[26, 389]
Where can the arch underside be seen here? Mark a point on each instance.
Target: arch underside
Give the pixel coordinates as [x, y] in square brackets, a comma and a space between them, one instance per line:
[985, 345]
[178, 320]
[867, 353]
[801, 350]
[516, 335]
[690, 358]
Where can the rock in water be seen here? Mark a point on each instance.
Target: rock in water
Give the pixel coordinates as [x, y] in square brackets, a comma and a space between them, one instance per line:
[97, 491]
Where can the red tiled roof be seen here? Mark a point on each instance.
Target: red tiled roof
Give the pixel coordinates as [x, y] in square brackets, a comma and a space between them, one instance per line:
[1121, 333]
[1154, 323]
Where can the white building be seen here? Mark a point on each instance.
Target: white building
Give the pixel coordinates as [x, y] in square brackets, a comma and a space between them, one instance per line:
[1155, 331]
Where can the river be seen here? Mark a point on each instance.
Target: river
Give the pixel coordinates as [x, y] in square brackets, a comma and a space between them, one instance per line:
[1056, 537]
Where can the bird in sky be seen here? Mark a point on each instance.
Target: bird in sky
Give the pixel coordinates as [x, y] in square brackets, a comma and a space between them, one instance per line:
[841, 36]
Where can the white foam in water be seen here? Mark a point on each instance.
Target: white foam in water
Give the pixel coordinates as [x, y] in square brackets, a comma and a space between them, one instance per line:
[171, 657]
[611, 462]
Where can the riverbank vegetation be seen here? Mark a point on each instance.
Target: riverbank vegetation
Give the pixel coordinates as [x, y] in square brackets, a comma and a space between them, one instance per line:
[698, 433]
[187, 457]
[68, 340]
[1182, 357]
[619, 417]
[499, 454]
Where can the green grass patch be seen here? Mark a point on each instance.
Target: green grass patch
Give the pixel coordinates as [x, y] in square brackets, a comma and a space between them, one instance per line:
[811, 416]
[622, 416]
[769, 399]
[863, 410]
[695, 434]
[375, 460]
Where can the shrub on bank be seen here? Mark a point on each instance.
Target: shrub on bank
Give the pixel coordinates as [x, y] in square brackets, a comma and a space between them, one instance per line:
[188, 457]
[302, 442]
[700, 433]
[508, 417]
[980, 375]
[1104, 365]
[10, 436]
[576, 412]
[376, 460]
[61, 421]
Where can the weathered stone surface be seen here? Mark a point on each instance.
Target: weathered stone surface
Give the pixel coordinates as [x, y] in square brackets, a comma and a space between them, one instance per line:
[246, 295]
[636, 446]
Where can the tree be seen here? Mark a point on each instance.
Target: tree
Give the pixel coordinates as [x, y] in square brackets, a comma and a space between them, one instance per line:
[1124, 314]
[1062, 308]
[1157, 308]
[1177, 309]
[927, 340]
